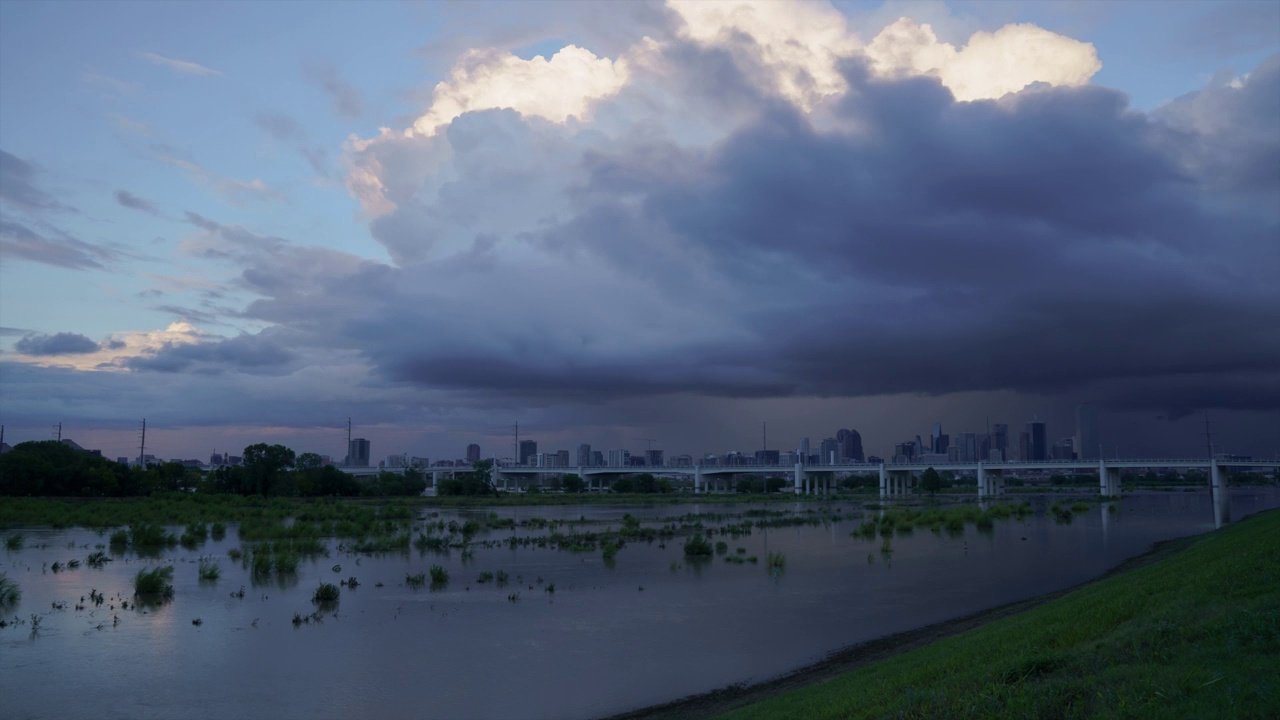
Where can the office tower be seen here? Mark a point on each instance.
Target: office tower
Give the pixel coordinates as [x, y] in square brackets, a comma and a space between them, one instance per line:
[969, 447]
[562, 458]
[584, 455]
[1086, 441]
[904, 451]
[473, 453]
[597, 458]
[1000, 439]
[1039, 440]
[619, 458]
[358, 453]
[528, 448]
[850, 445]
[654, 458]
[1024, 446]
[935, 440]
[829, 452]
[804, 447]
[1064, 449]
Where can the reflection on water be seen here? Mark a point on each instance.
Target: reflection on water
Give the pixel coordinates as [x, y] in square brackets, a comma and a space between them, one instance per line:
[647, 627]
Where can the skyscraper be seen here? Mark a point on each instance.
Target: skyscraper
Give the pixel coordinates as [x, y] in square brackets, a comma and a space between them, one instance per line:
[829, 451]
[1000, 439]
[1039, 440]
[1086, 440]
[358, 453]
[850, 443]
[935, 440]
[584, 455]
[528, 449]
[473, 453]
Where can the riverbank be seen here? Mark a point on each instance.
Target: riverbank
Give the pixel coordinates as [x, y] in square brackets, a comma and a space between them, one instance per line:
[1189, 629]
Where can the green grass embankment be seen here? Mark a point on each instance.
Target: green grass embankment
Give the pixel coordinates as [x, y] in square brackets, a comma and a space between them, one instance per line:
[1194, 635]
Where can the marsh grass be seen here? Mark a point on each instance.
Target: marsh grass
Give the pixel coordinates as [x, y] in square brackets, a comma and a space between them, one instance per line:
[97, 560]
[776, 560]
[209, 570]
[218, 531]
[145, 535]
[10, 593]
[154, 585]
[13, 542]
[326, 594]
[439, 576]
[415, 581]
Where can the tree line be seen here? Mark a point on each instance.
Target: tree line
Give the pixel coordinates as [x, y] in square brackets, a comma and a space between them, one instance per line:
[50, 468]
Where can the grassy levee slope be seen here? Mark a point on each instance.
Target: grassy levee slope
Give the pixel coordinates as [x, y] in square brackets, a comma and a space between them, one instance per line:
[1195, 635]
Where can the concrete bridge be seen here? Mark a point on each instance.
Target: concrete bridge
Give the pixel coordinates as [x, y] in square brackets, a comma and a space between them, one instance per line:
[896, 479]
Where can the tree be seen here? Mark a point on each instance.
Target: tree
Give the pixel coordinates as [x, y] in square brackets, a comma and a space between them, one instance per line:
[473, 482]
[309, 461]
[931, 481]
[263, 463]
[572, 483]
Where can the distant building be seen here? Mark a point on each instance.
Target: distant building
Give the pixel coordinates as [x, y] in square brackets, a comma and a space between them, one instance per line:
[358, 453]
[528, 448]
[397, 461]
[619, 458]
[597, 458]
[850, 443]
[1000, 439]
[562, 458]
[804, 447]
[875, 459]
[829, 452]
[1086, 440]
[584, 455]
[788, 458]
[767, 457]
[1039, 440]
[473, 453]
[654, 458]
[682, 461]
[1064, 449]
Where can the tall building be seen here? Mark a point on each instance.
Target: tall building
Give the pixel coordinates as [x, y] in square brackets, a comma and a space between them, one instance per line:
[850, 445]
[1000, 439]
[1024, 446]
[358, 453]
[829, 451]
[1039, 440]
[562, 458]
[804, 447]
[935, 439]
[597, 458]
[528, 449]
[584, 455]
[654, 458]
[473, 453]
[1087, 444]
[619, 458]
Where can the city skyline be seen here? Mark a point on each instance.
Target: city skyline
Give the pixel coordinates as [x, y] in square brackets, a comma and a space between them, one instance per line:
[668, 220]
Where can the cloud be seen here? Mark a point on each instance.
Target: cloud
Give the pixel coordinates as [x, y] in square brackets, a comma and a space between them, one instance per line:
[133, 202]
[285, 129]
[346, 98]
[62, 343]
[232, 189]
[182, 66]
[244, 353]
[58, 248]
[19, 188]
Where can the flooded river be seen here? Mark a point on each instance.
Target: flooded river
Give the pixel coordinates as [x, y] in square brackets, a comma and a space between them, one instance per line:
[648, 627]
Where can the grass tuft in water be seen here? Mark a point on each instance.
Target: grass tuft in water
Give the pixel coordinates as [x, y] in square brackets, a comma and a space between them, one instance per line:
[209, 570]
[439, 576]
[698, 546]
[326, 593]
[9, 591]
[13, 542]
[154, 584]
[415, 581]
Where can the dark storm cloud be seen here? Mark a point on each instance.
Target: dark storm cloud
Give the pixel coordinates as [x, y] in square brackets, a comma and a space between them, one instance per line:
[244, 353]
[58, 248]
[1051, 242]
[129, 200]
[62, 343]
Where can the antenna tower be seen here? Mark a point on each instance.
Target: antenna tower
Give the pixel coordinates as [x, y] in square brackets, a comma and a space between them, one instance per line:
[1208, 437]
[142, 445]
[764, 436]
[57, 430]
[348, 462]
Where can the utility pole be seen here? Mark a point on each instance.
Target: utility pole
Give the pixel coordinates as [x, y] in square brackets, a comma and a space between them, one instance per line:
[348, 458]
[515, 446]
[58, 431]
[1208, 437]
[764, 436]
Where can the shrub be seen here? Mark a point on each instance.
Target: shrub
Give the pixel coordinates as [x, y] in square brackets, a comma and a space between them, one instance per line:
[415, 581]
[439, 576]
[326, 593]
[154, 584]
[218, 531]
[13, 542]
[610, 550]
[698, 546]
[722, 547]
[97, 559]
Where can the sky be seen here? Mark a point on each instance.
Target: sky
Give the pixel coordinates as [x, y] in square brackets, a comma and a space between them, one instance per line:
[638, 224]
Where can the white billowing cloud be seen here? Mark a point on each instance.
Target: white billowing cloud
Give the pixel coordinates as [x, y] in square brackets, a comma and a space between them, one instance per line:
[554, 89]
[116, 351]
[799, 45]
[990, 65]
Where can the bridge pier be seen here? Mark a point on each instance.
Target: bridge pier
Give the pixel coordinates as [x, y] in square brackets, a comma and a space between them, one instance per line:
[1218, 491]
[1109, 479]
[797, 477]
